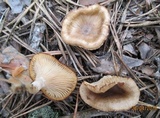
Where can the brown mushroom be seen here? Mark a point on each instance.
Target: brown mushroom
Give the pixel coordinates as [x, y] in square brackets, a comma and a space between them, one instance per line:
[13, 61]
[111, 93]
[86, 27]
[20, 81]
[15, 64]
[55, 80]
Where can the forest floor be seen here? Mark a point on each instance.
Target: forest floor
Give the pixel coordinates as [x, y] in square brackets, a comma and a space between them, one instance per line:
[132, 49]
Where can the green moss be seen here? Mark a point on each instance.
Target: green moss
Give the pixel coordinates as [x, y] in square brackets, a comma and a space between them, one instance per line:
[44, 112]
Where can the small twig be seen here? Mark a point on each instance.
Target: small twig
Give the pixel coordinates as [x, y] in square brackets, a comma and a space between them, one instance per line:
[3, 18]
[30, 107]
[18, 20]
[76, 107]
[61, 47]
[143, 24]
[43, 47]
[116, 39]
[123, 18]
[10, 96]
[107, 2]
[148, 105]
[19, 41]
[75, 60]
[71, 2]
[6, 97]
[87, 77]
[129, 70]
[149, 12]
[48, 15]
[146, 87]
[33, 21]
[24, 108]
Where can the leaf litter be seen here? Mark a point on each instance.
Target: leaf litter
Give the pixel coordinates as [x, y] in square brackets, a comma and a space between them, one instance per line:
[132, 46]
[17, 5]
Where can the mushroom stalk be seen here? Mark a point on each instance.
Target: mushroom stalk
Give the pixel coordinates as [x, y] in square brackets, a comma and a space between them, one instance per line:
[39, 83]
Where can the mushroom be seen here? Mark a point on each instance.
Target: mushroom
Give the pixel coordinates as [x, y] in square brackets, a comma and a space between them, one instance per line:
[13, 61]
[15, 64]
[110, 93]
[20, 81]
[87, 27]
[55, 79]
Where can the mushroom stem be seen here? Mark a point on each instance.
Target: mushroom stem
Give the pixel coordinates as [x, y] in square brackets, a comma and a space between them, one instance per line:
[39, 83]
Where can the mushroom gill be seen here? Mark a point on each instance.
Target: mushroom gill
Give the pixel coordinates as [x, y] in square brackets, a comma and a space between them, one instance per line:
[55, 79]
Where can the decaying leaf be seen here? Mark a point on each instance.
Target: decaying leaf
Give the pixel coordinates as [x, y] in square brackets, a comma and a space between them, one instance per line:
[129, 48]
[149, 36]
[129, 33]
[17, 5]
[132, 62]
[106, 66]
[145, 50]
[65, 61]
[146, 69]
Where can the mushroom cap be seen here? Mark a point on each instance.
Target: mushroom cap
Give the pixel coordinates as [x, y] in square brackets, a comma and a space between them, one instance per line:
[17, 71]
[86, 27]
[110, 93]
[59, 82]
